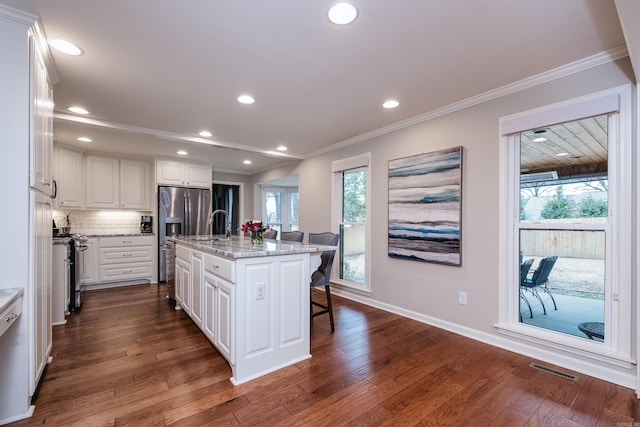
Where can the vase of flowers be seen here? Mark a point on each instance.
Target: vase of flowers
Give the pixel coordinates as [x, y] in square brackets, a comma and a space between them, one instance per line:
[256, 230]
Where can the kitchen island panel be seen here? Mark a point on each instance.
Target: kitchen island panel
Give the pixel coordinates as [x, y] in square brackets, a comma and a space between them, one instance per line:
[260, 321]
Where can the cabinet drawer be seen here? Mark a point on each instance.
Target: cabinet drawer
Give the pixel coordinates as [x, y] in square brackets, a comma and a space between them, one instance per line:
[10, 315]
[114, 242]
[126, 254]
[182, 252]
[221, 267]
[120, 272]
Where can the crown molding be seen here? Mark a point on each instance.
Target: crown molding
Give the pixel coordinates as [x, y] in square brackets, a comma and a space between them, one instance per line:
[40, 40]
[172, 136]
[538, 79]
[16, 16]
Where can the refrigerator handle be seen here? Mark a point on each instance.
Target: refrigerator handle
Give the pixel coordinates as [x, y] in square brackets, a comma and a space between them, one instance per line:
[187, 214]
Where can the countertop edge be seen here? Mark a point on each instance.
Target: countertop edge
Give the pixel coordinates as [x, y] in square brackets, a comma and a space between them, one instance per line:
[238, 248]
[7, 300]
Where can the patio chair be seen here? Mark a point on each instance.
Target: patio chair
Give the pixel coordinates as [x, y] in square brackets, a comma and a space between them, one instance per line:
[524, 271]
[540, 279]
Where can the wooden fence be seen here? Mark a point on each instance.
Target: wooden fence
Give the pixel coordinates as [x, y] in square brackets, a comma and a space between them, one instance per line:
[585, 244]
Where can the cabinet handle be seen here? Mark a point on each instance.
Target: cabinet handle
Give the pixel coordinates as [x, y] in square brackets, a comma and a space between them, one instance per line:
[127, 241]
[215, 266]
[127, 255]
[61, 203]
[11, 317]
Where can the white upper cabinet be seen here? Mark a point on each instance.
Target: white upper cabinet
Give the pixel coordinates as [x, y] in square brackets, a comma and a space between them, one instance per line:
[182, 174]
[198, 175]
[114, 183]
[103, 182]
[41, 144]
[134, 185]
[69, 179]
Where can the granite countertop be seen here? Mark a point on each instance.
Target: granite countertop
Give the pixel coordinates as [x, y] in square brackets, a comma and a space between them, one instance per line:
[240, 247]
[8, 296]
[120, 235]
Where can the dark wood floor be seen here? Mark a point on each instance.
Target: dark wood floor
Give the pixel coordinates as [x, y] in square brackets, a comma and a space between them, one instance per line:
[127, 358]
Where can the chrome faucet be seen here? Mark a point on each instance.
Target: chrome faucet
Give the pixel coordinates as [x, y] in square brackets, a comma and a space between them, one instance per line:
[226, 217]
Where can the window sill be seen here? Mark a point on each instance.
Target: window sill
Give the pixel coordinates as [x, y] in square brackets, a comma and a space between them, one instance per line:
[348, 287]
[551, 340]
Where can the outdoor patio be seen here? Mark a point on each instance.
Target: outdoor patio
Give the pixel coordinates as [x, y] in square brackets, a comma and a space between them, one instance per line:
[572, 310]
[578, 288]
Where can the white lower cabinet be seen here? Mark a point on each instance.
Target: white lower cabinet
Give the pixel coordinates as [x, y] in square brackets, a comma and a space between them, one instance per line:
[219, 314]
[109, 260]
[89, 262]
[41, 276]
[183, 279]
[208, 322]
[224, 319]
[255, 311]
[197, 271]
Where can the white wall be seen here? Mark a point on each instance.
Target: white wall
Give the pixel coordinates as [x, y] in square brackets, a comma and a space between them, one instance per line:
[429, 291]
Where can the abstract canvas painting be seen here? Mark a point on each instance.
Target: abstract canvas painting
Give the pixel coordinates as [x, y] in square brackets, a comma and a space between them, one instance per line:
[425, 200]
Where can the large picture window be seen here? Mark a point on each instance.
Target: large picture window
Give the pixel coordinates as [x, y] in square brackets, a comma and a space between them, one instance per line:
[565, 266]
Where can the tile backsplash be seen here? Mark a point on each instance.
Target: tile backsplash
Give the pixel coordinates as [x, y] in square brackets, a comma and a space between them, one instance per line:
[101, 222]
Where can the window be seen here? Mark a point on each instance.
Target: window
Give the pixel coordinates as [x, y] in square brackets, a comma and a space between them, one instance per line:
[280, 208]
[350, 216]
[565, 192]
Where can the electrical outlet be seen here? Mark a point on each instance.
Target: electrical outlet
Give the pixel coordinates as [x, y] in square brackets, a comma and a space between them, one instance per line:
[259, 290]
[462, 298]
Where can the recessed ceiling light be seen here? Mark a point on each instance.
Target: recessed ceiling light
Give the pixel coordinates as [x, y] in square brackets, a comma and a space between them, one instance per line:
[281, 148]
[562, 154]
[85, 139]
[182, 153]
[539, 139]
[247, 162]
[342, 13]
[392, 103]
[246, 99]
[65, 47]
[205, 133]
[78, 110]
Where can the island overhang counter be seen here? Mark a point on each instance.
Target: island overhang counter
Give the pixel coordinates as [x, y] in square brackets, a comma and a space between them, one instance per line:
[251, 301]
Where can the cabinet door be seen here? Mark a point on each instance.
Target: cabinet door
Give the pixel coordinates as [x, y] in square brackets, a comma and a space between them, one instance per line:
[198, 176]
[224, 319]
[183, 285]
[42, 126]
[209, 307]
[41, 279]
[70, 179]
[102, 182]
[170, 173]
[89, 264]
[134, 185]
[196, 287]
[186, 287]
[179, 285]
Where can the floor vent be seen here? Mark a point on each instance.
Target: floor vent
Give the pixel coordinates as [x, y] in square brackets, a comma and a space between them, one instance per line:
[561, 374]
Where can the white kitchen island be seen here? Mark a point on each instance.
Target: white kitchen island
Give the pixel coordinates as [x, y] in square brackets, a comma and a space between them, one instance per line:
[252, 302]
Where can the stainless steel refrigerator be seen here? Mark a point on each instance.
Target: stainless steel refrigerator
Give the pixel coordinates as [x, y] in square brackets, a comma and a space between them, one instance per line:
[181, 211]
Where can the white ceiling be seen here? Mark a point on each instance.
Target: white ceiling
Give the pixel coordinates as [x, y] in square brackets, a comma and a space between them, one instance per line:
[155, 72]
